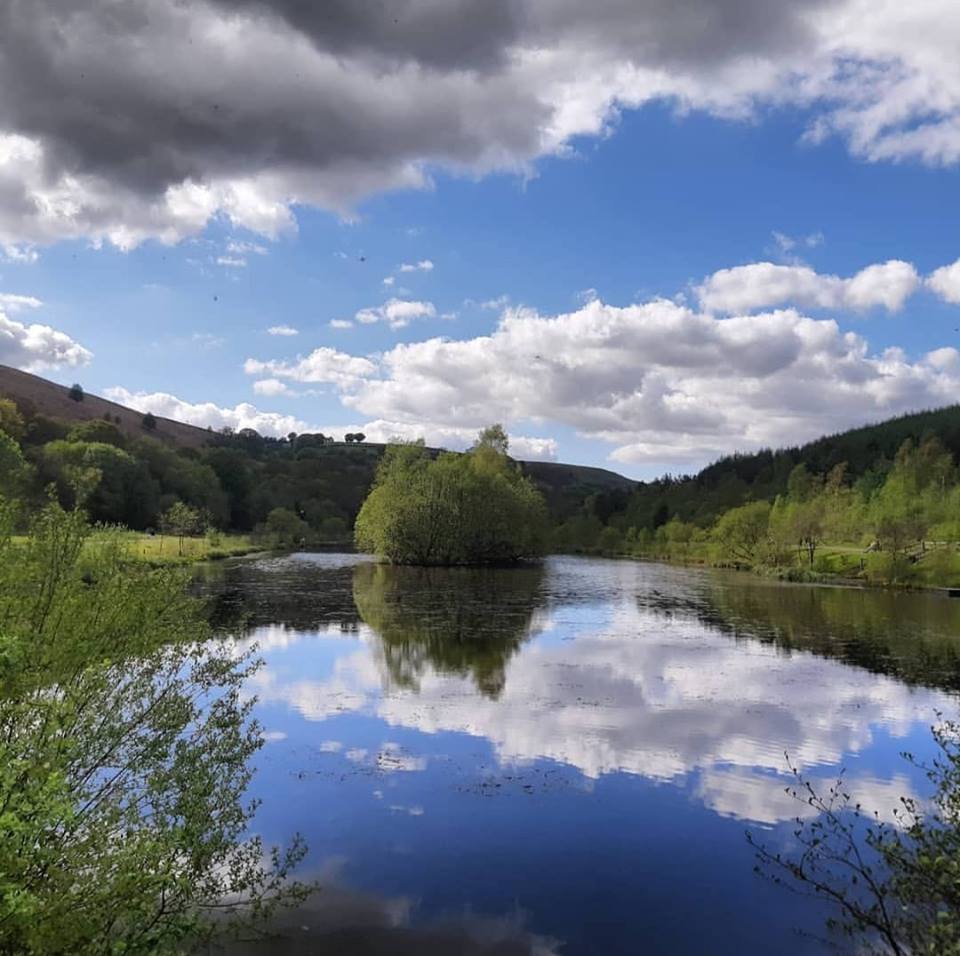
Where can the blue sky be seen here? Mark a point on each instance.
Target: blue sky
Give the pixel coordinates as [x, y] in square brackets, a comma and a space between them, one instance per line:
[569, 280]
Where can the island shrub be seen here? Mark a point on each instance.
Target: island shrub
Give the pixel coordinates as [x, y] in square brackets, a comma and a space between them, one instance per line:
[458, 509]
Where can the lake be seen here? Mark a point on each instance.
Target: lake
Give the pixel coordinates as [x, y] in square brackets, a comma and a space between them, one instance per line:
[565, 759]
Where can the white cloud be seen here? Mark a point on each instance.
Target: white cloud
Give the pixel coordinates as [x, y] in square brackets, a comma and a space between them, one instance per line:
[766, 284]
[19, 253]
[232, 262]
[282, 330]
[787, 243]
[239, 247]
[340, 324]
[321, 365]
[389, 280]
[397, 312]
[10, 302]
[207, 340]
[424, 265]
[35, 347]
[270, 386]
[522, 447]
[648, 379]
[945, 282]
[207, 414]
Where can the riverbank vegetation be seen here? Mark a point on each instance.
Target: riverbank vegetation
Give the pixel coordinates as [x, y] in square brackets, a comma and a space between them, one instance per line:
[458, 509]
[125, 747]
[894, 522]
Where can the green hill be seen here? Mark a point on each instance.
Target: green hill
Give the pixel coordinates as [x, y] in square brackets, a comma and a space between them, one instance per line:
[868, 453]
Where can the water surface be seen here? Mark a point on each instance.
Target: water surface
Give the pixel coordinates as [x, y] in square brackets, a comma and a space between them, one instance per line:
[565, 759]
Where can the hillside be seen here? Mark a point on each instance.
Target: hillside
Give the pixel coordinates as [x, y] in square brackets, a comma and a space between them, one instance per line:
[39, 396]
[238, 478]
[868, 453]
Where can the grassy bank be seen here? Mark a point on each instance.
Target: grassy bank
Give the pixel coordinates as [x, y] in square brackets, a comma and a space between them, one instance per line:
[163, 550]
[169, 549]
[934, 566]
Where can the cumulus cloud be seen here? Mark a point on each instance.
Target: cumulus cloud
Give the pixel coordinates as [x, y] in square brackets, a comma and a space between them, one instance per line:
[145, 120]
[270, 386]
[207, 414]
[662, 382]
[397, 313]
[13, 303]
[34, 347]
[945, 282]
[282, 330]
[765, 284]
[321, 365]
[424, 265]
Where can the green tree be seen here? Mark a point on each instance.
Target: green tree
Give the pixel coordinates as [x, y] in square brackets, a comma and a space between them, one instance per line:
[493, 436]
[285, 527]
[14, 471]
[460, 509]
[182, 521]
[125, 748]
[97, 430]
[149, 422]
[742, 532]
[76, 392]
[123, 493]
[11, 421]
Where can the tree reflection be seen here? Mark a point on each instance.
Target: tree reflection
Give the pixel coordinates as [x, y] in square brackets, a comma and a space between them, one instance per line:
[914, 637]
[458, 620]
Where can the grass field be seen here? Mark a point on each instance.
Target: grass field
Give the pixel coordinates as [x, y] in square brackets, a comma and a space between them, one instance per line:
[169, 549]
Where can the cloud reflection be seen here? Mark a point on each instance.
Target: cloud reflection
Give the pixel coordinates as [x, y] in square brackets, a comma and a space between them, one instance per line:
[619, 687]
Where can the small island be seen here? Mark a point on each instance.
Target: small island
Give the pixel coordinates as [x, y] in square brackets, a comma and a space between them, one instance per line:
[469, 509]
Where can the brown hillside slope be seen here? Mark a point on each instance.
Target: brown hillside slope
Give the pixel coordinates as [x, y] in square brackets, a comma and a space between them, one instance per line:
[38, 396]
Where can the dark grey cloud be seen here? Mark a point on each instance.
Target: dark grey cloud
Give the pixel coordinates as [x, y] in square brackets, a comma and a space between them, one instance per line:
[123, 120]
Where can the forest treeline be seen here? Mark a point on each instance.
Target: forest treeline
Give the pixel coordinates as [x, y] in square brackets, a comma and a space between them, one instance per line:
[881, 503]
[299, 488]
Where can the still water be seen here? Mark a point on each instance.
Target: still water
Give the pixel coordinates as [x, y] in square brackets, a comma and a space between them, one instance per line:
[566, 759]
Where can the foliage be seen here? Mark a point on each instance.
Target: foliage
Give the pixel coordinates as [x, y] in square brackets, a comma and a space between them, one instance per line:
[469, 509]
[896, 886]
[97, 430]
[121, 489]
[742, 532]
[285, 528]
[183, 521]
[11, 421]
[149, 421]
[14, 472]
[76, 392]
[124, 756]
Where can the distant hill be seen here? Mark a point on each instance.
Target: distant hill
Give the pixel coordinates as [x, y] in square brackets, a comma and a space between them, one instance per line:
[867, 451]
[39, 396]
[340, 464]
